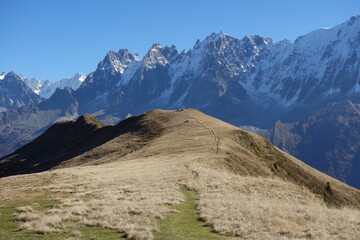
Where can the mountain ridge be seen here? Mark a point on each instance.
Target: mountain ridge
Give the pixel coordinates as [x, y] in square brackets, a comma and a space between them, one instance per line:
[81, 142]
[45, 88]
[14, 93]
[132, 177]
[228, 63]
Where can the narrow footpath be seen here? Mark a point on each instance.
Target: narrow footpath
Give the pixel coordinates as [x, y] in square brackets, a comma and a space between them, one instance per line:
[185, 224]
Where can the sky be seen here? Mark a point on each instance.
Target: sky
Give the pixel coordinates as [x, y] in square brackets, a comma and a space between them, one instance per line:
[58, 38]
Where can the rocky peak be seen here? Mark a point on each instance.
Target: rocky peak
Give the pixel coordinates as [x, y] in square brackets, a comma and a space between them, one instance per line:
[12, 80]
[11, 76]
[254, 43]
[352, 20]
[126, 57]
[257, 40]
[79, 76]
[15, 93]
[117, 62]
[217, 42]
[154, 57]
[170, 52]
[214, 37]
[63, 100]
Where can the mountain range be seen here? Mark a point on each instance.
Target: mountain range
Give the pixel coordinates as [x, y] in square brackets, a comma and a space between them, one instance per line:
[46, 88]
[252, 81]
[18, 90]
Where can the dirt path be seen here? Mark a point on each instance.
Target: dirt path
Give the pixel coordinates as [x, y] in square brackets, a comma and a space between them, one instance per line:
[185, 224]
[354, 107]
[216, 139]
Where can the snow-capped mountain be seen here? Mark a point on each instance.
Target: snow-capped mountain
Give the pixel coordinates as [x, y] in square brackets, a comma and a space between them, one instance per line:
[45, 88]
[14, 93]
[248, 81]
[237, 80]
[74, 82]
[318, 65]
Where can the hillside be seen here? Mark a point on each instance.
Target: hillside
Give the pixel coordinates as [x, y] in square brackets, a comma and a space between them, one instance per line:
[328, 140]
[127, 177]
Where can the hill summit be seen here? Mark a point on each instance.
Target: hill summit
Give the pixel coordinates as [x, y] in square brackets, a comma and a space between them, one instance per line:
[87, 141]
[125, 176]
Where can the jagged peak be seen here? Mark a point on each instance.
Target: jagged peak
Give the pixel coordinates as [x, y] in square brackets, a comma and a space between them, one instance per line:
[214, 41]
[197, 42]
[120, 55]
[11, 74]
[111, 55]
[170, 52]
[156, 46]
[123, 51]
[213, 37]
[155, 56]
[352, 20]
[117, 62]
[257, 40]
[77, 76]
[124, 54]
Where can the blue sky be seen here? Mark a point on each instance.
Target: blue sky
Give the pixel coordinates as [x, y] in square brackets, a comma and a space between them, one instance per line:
[53, 39]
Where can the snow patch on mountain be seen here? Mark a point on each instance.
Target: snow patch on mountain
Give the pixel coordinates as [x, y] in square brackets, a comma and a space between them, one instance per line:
[154, 56]
[74, 82]
[45, 88]
[129, 73]
[274, 75]
[2, 75]
[117, 62]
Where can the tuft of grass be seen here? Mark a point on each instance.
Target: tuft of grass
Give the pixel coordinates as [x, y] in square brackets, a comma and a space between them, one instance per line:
[185, 224]
[328, 188]
[9, 225]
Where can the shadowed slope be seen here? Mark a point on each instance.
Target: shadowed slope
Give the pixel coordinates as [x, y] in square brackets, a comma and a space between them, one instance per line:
[68, 139]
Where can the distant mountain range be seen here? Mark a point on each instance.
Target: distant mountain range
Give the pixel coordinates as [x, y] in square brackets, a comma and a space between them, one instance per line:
[251, 81]
[14, 93]
[45, 88]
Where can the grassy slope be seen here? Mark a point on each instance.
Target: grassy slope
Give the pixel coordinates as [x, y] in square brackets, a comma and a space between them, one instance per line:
[133, 191]
[9, 228]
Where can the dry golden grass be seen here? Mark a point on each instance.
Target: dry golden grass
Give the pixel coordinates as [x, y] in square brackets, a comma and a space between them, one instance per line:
[128, 197]
[266, 208]
[130, 194]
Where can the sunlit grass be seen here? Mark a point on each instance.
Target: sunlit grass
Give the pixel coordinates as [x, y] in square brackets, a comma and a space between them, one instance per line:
[185, 223]
[9, 225]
